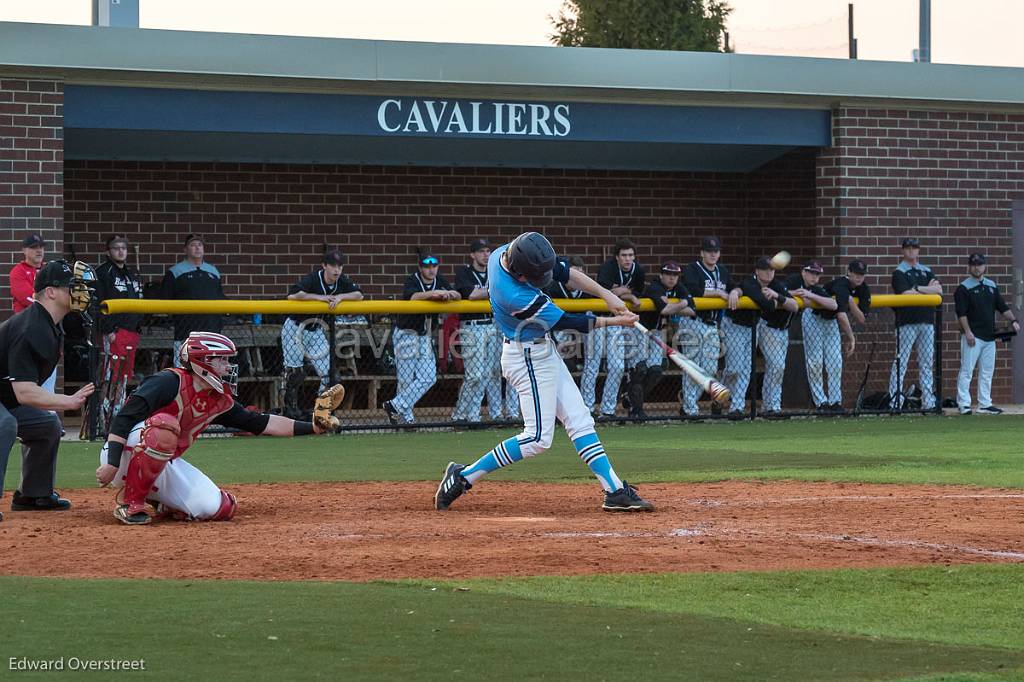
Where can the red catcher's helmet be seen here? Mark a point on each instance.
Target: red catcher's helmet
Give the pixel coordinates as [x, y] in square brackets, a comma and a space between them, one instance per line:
[201, 347]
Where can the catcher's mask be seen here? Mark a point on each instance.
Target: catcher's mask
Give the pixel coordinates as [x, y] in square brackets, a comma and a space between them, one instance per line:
[199, 349]
[83, 283]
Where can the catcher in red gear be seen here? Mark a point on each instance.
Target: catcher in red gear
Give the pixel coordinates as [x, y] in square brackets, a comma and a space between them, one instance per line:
[163, 417]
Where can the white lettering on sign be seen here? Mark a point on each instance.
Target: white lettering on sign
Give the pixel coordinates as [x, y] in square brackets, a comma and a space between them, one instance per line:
[473, 118]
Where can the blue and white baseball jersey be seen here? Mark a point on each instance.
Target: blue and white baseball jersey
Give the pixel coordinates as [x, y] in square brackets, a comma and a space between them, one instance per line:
[522, 311]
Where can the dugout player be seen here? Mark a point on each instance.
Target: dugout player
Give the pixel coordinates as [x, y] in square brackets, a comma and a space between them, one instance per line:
[819, 340]
[30, 347]
[415, 364]
[305, 337]
[977, 300]
[481, 345]
[193, 279]
[518, 273]
[568, 341]
[648, 372]
[828, 334]
[625, 278]
[699, 337]
[772, 333]
[163, 418]
[914, 326]
[116, 279]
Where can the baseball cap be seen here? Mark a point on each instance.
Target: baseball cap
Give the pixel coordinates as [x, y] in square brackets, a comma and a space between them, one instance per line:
[195, 238]
[763, 263]
[858, 267]
[32, 239]
[334, 257]
[814, 266]
[710, 244]
[911, 243]
[672, 267]
[428, 260]
[478, 244]
[56, 273]
[977, 259]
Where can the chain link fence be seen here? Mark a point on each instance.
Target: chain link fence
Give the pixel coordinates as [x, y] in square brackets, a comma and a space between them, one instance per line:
[451, 375]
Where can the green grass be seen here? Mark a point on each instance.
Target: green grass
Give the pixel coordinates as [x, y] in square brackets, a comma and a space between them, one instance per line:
[978, 450]
[592, 628]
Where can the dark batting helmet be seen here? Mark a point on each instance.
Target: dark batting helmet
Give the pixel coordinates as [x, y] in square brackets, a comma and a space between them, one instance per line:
[532, 256]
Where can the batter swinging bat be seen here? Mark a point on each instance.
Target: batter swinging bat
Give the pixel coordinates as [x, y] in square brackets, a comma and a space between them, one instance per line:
[718, 392]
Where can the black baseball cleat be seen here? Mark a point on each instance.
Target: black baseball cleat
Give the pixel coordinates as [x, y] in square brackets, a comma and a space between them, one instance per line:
[736, 415]
[991, 409]
[392, 413]
[626, 499]
[451, 487]
[52, 502]
[137, 519]
[838, 408]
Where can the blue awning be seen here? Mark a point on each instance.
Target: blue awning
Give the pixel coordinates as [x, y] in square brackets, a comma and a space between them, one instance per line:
[200, 125]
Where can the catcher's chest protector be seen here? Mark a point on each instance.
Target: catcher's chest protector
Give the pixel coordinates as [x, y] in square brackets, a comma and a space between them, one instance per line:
[194, 409]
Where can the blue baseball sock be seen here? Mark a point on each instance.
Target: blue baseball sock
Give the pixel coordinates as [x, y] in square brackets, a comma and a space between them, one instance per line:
[503, 454]
[592, 453]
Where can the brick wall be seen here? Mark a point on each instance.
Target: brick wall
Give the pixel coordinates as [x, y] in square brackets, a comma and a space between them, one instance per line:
[267, 225]
[31, 170]
[945, 177]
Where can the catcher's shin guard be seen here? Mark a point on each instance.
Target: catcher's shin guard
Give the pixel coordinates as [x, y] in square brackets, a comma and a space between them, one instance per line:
[228, 507]
[148, 459]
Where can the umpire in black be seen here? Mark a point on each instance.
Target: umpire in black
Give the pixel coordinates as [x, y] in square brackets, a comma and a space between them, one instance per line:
[30, 347]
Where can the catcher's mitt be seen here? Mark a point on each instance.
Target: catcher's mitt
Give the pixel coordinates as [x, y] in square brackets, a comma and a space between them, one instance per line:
[326, 403]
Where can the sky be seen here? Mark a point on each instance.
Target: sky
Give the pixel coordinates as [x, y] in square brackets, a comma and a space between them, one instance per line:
[983, 32]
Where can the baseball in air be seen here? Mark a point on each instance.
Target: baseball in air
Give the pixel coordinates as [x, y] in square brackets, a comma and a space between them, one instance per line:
[781, 260]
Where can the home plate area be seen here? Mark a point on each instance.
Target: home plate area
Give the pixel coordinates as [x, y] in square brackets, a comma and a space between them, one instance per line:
[367, 531]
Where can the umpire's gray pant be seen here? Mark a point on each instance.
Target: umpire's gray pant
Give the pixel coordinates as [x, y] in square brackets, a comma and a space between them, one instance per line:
[39, 431]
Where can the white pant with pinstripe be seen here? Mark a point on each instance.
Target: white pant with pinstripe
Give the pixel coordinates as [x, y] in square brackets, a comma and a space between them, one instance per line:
[546, 392]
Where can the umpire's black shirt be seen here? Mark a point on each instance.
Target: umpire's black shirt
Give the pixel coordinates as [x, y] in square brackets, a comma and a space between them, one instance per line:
[978, 300]
[697, 278]
[30, 346]
[414, 285]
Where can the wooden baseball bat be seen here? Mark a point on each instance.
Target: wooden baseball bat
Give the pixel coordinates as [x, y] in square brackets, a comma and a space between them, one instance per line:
[718, 391]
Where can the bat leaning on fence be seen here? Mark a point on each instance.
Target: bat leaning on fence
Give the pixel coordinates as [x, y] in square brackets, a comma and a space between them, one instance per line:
[718, 391]
[864, 381]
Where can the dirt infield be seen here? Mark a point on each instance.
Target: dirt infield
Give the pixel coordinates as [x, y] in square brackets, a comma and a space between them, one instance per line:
[365, 531]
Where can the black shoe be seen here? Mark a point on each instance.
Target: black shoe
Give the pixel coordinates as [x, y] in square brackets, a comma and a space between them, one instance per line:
[991, 409]
[638, 414]
[736, 415]
[137, 519]
[392, 413]
[838, 409]
[823, 409]
[773, 415]
[626, 499]
[605, 417]
[451, 487]
[51, 502]
[965, 412]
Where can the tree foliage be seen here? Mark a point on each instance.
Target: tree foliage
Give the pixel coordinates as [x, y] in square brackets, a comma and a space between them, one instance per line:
[696, 25]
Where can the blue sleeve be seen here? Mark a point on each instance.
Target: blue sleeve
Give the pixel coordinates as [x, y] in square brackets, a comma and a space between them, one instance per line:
[581, 322]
